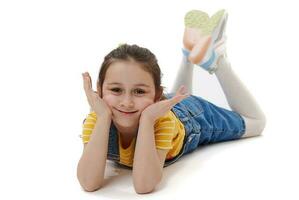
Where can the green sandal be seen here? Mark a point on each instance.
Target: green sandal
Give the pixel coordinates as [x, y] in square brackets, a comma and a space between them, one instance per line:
[213, 26]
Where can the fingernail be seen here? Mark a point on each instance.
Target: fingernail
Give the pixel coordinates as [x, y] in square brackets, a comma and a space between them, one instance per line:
[183, 90]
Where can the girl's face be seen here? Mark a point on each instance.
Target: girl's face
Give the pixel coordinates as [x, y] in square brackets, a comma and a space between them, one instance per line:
[127, 90]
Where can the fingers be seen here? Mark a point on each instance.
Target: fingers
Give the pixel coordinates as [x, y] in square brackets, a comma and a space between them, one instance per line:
[88, 89]
[176, 99]
[181, 90]
[179, 96]
[87, 82]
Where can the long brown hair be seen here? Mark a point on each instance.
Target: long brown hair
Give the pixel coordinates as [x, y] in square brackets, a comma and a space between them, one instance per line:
[143, 56]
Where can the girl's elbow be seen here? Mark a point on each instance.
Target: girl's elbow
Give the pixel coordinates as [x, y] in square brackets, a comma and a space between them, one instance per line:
[91, 187]
[143, 189]
[145, 185]
[88, 185]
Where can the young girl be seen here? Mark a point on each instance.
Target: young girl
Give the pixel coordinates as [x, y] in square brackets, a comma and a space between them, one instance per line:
[133, 123]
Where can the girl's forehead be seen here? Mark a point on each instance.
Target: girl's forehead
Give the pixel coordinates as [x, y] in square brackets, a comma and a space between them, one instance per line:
[128, 72]
[126, 66]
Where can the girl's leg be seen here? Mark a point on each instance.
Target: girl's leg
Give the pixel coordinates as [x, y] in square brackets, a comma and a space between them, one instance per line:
[237, 95]
[184, 76]
[239, 98]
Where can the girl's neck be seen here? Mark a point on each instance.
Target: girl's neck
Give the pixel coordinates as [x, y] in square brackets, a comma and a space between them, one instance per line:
[127, 132]
[127, 137]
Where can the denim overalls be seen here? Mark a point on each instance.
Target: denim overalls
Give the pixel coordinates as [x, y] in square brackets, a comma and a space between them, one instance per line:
[204, 123]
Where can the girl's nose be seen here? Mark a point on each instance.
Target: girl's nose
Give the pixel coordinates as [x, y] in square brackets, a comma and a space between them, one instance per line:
[127, 102]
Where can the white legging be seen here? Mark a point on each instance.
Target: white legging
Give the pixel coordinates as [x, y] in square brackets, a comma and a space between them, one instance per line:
[237, 95]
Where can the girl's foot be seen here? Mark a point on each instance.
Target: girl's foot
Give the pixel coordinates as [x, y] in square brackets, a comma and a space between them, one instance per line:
[196, 43]
[202, 36]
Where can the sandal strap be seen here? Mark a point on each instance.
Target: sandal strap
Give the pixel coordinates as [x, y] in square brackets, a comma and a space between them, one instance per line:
[185, 52]
[207, 65]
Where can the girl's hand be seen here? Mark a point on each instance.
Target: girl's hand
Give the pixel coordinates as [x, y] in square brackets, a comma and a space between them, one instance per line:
[97, 104]
[160, 108]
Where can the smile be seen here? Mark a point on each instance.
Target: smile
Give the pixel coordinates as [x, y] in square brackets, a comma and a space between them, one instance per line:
[127, 113]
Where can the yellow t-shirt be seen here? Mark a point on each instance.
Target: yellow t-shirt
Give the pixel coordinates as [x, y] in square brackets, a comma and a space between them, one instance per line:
[169, 134]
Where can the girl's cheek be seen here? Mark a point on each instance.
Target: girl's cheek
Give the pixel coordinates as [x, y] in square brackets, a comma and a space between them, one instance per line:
[109, 99]
[146, 103]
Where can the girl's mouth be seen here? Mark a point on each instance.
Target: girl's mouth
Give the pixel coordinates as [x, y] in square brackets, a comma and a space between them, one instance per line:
[126, 113]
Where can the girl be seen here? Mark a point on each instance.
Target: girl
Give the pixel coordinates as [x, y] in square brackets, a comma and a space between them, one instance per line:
[133, 123]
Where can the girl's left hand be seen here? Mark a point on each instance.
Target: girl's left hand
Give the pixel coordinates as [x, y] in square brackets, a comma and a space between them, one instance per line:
[160, 108]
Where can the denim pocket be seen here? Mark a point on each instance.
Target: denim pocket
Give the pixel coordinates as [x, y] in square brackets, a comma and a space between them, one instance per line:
[193, 105]
[190, 106]
[188, 109]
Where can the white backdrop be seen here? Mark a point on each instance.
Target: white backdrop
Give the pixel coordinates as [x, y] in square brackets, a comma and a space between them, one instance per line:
[46, 45]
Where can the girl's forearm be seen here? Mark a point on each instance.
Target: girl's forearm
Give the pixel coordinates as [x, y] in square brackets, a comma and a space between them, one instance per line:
[147, 172]
[91, 167]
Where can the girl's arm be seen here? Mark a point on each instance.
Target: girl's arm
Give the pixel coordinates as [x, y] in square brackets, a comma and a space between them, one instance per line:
[148, 162]
[91, 167]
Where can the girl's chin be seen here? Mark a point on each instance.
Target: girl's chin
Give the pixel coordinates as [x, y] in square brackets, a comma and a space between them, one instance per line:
[125, 127]
[125, 122]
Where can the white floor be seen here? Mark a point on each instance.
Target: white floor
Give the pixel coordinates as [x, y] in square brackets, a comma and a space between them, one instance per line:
[253, 168]
[250, 168]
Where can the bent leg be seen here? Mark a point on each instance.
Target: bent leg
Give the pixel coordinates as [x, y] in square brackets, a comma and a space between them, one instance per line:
[254, 127]
[239, 99]
[184, 76]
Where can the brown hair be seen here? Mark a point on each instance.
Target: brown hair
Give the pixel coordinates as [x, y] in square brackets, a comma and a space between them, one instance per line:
[138, 54]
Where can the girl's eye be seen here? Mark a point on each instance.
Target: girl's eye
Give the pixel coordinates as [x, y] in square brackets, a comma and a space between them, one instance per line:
[115, 89]
[139, 91]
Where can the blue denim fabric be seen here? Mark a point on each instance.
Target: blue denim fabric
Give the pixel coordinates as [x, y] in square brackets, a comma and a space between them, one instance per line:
[204, 123]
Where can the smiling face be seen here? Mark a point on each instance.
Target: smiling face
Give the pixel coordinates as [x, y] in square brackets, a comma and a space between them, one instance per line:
[127, 90]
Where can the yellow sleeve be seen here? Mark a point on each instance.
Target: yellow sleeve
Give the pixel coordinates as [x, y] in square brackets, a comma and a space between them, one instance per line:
[164, 131]
[88, 126]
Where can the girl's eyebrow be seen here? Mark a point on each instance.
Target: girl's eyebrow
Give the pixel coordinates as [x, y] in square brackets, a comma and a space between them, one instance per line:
[138, 84]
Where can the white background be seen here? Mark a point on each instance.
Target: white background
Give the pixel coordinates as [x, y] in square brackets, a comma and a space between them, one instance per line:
[46, 45]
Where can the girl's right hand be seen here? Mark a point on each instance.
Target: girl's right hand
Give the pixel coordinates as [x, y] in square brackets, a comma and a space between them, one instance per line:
[97, 104]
